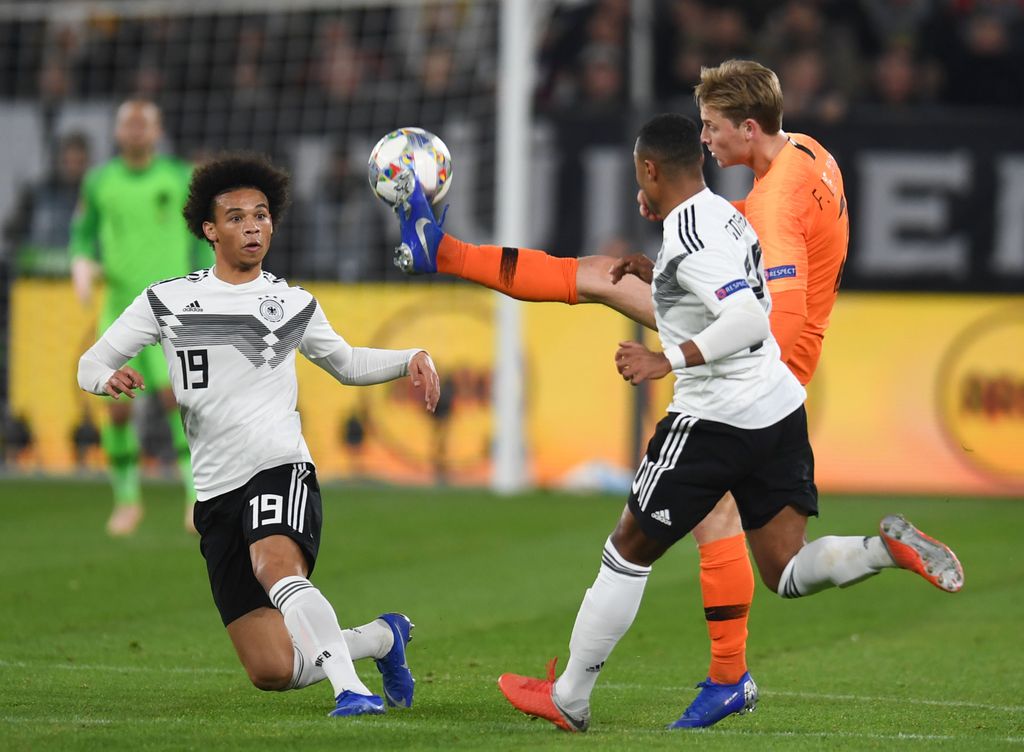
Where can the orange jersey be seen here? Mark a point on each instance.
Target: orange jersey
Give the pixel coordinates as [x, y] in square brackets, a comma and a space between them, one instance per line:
[798, 209]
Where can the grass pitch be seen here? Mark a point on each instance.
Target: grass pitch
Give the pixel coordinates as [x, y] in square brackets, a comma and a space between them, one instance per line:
[116, 644]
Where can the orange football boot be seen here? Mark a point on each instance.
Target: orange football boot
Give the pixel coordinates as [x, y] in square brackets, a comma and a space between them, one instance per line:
[911, 549]
[536, 697]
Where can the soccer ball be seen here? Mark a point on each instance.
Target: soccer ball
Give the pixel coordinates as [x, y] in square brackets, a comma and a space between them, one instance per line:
[402, 152]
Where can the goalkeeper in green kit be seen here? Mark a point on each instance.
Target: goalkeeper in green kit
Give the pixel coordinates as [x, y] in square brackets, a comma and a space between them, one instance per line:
[128, 228]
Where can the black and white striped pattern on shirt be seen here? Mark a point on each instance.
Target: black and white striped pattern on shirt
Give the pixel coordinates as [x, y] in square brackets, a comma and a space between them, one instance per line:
[298, 491]
[667, 290]
[688, 230]
[243, 331]
[649, 473]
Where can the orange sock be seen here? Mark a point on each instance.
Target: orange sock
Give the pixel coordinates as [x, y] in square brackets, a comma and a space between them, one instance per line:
[521, 273]
[727, 584]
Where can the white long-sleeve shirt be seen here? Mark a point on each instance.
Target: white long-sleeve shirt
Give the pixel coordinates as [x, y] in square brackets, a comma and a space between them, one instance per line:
[231, 356]
[709, 286]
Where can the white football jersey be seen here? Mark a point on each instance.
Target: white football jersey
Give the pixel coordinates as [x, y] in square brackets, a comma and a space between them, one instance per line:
[231, 356]
[709, 258]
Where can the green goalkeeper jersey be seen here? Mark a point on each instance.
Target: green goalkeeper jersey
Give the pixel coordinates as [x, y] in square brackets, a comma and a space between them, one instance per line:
[130, 222]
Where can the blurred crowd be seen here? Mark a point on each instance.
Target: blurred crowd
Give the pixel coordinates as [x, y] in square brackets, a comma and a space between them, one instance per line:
[259, 81]
[266, 80]
[832, 56]
[257, 77]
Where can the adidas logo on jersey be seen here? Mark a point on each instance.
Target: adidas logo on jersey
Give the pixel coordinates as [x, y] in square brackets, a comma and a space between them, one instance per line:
[662, 516]
[192, 307]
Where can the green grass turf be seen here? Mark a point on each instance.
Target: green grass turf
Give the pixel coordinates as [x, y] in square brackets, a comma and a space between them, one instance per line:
[116, 644]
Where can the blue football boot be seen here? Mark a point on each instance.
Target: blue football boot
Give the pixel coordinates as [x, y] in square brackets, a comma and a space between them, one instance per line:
[421, 233]
[349, 703]
[716, 701]
[394, 668]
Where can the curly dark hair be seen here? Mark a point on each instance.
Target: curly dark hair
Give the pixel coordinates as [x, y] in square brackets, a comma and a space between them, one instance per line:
[229, 172]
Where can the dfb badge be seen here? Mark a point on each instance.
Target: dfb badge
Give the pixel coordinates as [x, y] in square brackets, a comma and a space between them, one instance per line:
[272, 310]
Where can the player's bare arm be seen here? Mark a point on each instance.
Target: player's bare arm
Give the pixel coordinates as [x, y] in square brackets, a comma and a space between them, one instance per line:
[83, 273]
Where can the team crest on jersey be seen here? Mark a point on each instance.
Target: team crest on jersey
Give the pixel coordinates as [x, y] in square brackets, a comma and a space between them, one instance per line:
[272, 309]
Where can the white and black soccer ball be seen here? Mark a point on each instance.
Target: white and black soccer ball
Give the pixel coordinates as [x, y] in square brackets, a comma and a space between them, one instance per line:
[393, 156]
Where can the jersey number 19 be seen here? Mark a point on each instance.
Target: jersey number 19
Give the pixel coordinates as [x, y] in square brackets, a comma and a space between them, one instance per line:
[195, 369]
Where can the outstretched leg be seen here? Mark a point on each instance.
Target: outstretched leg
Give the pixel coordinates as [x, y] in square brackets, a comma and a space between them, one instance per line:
[521, 273]
[794, 568]
[533, 275]
[607, 612]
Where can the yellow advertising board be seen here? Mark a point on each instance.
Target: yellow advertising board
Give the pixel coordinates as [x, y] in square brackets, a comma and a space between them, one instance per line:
[921, 394]
[915, 394]
[577, 408]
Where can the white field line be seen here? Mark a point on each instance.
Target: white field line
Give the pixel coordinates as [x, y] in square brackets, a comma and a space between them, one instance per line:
[610, 685]
[392, 722]
[849, 698]
[859, 735]
[122, 669]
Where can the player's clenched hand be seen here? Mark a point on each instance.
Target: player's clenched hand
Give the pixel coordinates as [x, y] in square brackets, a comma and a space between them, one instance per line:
[424, 377]
[645, 210]
[636, 264]
[637, 364]
[123, 381]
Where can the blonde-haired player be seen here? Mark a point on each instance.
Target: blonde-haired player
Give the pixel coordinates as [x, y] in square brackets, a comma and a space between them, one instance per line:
[798, 210]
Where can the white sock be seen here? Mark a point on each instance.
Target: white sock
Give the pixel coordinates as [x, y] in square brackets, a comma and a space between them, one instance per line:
[833, 561]
[607, 611]
[373, 640]
[304, 672]
[314, 629]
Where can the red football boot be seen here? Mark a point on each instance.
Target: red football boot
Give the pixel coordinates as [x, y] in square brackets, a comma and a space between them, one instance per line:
[536, 697]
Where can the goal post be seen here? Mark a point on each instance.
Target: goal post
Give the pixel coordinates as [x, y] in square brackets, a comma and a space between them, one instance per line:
[515, 86]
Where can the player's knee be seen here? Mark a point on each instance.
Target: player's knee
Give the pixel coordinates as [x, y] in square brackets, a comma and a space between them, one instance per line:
[636, 547]
[771, 571]
[270, 677]
[722, 522]
[771, 579]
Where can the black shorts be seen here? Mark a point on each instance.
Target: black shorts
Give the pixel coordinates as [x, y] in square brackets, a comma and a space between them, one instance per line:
[283, 500]
[691, 463]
